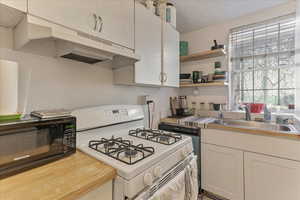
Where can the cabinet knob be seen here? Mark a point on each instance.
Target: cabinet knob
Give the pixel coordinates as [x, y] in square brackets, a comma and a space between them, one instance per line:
[148, 179]
[157, 171]
[166, 77]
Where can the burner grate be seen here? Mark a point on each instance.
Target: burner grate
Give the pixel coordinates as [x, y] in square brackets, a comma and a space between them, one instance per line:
[122, 150]
[156, 136]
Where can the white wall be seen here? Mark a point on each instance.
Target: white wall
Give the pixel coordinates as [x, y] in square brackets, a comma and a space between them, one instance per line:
[202, 40]
[61, 83]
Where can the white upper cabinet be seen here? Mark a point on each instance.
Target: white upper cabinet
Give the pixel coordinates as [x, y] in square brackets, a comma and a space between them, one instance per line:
[270, 178]
[171, 65]
[157, 43]
[111, 20]
[17, 4]
[117, 21]
[148, 46]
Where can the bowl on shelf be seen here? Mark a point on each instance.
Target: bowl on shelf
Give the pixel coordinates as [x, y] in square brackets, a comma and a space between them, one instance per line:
[185, 76]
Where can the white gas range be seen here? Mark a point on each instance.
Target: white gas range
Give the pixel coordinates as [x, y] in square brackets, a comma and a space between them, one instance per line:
[117, 136]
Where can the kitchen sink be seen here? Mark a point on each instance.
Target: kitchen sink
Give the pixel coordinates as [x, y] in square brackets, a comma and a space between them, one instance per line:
[290, 129]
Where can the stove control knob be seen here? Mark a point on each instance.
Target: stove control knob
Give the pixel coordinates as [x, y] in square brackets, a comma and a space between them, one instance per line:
[148, 179]
[184, 152]
[157, 171]
[188, 150]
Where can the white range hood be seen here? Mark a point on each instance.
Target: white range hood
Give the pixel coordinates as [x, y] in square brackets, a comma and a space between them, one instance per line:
[32, 32]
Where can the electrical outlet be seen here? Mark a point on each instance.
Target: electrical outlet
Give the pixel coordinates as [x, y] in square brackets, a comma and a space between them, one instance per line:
[144, 99]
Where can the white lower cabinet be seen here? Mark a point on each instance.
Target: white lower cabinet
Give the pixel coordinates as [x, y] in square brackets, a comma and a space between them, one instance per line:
[246, 166]
[222, 171]
[102, 193]
[270, 178]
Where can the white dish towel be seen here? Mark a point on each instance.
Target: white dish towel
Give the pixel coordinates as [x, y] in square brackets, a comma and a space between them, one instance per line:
[174, 190]
[191, 180]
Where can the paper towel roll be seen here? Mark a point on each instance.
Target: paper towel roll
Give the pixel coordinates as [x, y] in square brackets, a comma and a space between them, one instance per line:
[8, 87]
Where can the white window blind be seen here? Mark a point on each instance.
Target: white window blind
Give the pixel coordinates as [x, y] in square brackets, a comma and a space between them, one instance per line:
[262, 62]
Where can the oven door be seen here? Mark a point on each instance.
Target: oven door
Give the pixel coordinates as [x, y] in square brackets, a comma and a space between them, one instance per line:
[23, 146]
[179, 183]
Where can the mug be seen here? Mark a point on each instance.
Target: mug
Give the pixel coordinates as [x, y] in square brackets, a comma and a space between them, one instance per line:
[196, 76]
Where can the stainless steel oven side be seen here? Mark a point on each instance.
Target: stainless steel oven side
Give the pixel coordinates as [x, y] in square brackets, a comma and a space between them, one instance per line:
[24, 145]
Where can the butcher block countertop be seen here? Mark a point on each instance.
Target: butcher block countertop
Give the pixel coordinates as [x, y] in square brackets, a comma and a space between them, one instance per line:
[65, 179]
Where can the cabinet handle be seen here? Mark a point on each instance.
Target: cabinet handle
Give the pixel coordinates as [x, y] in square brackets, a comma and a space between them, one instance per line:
[165, 77]
[101, 23]
[96, 21]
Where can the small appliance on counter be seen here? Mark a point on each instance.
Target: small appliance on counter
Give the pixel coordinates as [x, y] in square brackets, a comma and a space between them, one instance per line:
[179, 106]
[31, 142]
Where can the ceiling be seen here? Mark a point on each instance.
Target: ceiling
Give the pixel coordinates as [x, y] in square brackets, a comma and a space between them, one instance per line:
[195, 14]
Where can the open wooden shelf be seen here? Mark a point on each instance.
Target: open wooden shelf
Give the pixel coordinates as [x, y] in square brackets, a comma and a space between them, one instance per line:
[203, 55]
[212, 84]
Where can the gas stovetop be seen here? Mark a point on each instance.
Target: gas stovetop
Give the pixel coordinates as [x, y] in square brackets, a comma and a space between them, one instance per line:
[157, 136]
[126, 151]
[121, 149]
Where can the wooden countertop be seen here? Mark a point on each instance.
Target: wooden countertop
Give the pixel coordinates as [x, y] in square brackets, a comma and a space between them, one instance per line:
[253, 131]
[65, 179]
[170, 120]
[174, 120]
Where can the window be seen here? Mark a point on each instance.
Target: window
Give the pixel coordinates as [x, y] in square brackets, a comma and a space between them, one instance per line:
[262, 62]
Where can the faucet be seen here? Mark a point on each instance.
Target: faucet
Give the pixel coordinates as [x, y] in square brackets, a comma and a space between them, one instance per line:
[267, 114]
[247, 112]
[221, 117]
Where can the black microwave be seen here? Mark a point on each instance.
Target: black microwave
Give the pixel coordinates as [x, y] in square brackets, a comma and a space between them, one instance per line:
[29, 143]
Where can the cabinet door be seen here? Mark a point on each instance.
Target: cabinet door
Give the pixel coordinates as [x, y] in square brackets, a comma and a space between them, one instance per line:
[148, 46]
[222, 171]
[117, 17]
[73, 14]
[118, 21]
[170, 56]
[269, 178]
[17, 4]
